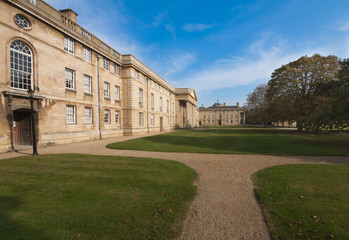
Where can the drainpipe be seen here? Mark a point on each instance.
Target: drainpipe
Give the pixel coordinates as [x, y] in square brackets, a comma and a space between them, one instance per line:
[99, 99]
[148, 104]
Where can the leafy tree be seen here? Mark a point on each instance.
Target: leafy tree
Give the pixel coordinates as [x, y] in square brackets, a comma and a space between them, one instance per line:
[257, 106]
[296, 89]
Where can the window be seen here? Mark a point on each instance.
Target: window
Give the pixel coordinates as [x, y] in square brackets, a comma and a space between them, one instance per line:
[231, 121]
[70, 113]
[21, 66]
[117, 93]
[204, 116]
[106, 90]
[149, 82]
[107, 116]
[208, 116]
[172, 107]
[105, 63]
[152, 120]
[208, 121]
[231, 116]
[117, 69]
[140, 97]
[22, 21]
[227, 116]
[87, 84]
[143, 78]
[86, 52]
[140, 119]
[117, 117]
[88, 115]
[161, 104]
[68, 44]
[32, 2]
[168, 120]
[69, 79]
[167, 106]
[137, 74]
[152, 101]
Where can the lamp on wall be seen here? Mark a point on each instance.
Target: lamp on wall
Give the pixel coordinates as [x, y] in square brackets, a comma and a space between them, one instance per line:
[31, 95]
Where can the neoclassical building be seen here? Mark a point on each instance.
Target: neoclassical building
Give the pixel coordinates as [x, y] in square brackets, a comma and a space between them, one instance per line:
[221, 115]
[83, 88]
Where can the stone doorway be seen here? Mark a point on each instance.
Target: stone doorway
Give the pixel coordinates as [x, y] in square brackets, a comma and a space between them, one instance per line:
[22, 127]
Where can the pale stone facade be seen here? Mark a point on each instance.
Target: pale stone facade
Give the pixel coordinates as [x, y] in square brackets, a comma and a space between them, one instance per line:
[84, 89]
[186, 110]
[221, 115]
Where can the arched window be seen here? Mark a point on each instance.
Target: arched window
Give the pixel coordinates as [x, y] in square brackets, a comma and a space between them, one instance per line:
[21, 66]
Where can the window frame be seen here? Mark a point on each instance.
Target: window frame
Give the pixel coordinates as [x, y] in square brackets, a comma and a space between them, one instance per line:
[69, 45]
[117, 117]
[70, 117]
[70, 81]
[140, 97]
[107, 116]
[140, 119]
[25, 54]
[106, 64]
[89, 85]
[89, 115]
[106, 91]
[87, 54]
[117, 69]
[117, 93]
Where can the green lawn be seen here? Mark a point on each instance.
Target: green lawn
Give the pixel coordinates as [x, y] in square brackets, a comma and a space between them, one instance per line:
[305, 201]
[73, 196]
[242, 141]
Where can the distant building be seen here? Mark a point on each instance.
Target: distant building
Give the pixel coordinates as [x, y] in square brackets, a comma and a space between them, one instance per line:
[84, 89]
[221, 115]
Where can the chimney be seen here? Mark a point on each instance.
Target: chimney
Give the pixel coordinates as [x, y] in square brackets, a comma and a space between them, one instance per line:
[224, 104]
[237, 104]
[70, 14]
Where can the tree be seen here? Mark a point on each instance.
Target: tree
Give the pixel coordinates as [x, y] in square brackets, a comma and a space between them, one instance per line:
[257, 106]
[295, 90]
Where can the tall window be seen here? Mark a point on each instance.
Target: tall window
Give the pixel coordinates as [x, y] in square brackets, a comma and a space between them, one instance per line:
[105, 63]
[68, 44]
[152, 100]
[140, 97]
[69, 79]
[137, 74]
[117, 69]
[160, 103]
[86, 52]
[167, 106]
[87, 84]
[106, 90]
[117, 93]
[140, 119]
[21, 66]
[117, 117]
[107, 116]
[70, 114]
[152, 120]
[88, 115]
[143, 78]
[172, 107]
[168, 120]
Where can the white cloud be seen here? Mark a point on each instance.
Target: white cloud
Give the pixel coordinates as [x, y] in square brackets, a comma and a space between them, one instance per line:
[344, 27]
[255, 66]
[169, 27]
[196, 27]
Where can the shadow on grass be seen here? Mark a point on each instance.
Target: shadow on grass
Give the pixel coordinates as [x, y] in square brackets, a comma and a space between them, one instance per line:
[11, 229]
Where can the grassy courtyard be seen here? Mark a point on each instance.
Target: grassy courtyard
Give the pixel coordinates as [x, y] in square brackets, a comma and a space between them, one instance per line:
[72, 196]
[305, 201]
[241, 141]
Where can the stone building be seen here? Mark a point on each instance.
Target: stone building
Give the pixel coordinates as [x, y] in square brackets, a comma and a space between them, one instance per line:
[83, 88]
[186, 110]
[221, 115]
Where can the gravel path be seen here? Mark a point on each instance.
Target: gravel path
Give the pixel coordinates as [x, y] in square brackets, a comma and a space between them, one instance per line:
[225, 206]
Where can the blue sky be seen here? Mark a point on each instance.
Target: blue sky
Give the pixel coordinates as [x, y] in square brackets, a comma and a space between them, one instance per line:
[222, 49]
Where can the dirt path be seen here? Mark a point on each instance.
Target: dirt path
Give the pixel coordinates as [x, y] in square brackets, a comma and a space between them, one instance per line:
[225, 206]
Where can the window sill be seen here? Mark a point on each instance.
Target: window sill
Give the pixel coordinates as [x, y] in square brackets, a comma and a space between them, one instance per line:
[108, 98]
[88, 94]
[70, 90]
[117, 100]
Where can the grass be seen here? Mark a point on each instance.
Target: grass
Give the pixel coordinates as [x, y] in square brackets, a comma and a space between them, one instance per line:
[305, 201]
[73, 196]
[241, 141]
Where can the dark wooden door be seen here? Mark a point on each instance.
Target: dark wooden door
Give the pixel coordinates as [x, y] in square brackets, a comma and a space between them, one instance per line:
[22, 128]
